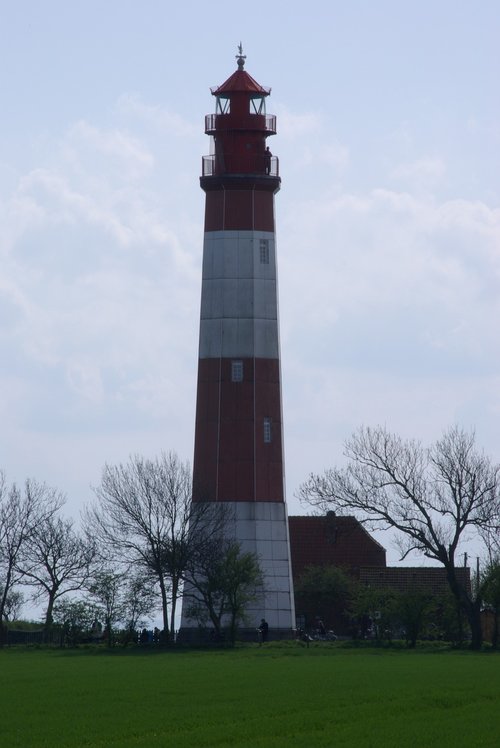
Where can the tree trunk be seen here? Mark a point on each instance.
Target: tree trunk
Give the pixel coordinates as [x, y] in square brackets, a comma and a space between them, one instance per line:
[109, 633]
[474, 619]
[175, 590]
[215, 617]
[164, 608]
[232, 630]
[472, 610]
[48, 616]
[3, 601]
[470, 607]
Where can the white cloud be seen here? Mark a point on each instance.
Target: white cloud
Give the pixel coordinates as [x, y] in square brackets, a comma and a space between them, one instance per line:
[170, 123]
[336, 155]
[126, 151]
[482, 127]
[307, 142]
[423, 168]
[61, 203]
[295, 126]
[84, 377]
[393, 279]
[99, 279]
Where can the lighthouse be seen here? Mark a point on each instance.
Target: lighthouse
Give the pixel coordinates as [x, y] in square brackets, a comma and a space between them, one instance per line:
[238, 452]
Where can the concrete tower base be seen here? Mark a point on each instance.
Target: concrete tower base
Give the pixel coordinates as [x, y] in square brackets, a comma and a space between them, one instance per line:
[260, 528]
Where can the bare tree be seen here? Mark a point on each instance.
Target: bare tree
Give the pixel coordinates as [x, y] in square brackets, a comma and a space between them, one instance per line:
[106, 591]
[434, 498]
[145, 517]
[490, 535]
[13, 605]
[137, 603]
[55, 560]
[121, 600]
[77, 619]
[20, 513]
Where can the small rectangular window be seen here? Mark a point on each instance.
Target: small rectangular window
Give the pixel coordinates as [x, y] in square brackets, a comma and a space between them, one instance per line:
[236, 371]
[267, 431]
[264, 251]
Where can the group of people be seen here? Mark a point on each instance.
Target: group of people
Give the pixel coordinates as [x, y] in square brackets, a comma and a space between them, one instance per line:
[318, 633]
[148, 636]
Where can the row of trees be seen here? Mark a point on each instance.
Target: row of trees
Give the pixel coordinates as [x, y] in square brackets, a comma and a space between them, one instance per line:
[144, 519]
[37, 548]
[143, 541]
[382, 613]
[434, 499]
[143, 526]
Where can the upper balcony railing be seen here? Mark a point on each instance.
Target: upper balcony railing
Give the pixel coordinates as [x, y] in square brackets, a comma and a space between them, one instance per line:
[240, 164]
[263, 122]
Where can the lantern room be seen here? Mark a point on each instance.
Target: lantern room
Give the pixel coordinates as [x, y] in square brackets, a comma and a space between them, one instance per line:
[239, 128]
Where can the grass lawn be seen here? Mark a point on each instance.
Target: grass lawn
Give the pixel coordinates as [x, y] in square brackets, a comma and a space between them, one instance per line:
[252, 697]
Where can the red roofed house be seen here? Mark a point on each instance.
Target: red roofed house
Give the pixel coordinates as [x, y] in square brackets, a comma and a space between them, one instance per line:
[330, 540]
[327, 540]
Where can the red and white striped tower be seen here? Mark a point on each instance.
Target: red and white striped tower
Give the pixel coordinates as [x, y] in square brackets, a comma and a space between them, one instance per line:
[238, 455]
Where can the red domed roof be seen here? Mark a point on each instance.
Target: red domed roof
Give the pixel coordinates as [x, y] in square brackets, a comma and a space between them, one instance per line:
[240, 81]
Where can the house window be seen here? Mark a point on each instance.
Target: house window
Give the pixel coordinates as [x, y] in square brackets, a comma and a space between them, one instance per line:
[267, 431]
[264, 251]
[236, 371]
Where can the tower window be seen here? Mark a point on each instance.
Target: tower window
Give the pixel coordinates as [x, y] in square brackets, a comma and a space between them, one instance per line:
[267, 431]
[257, 105]
[236, 371]
[223, 105]
[264, 251]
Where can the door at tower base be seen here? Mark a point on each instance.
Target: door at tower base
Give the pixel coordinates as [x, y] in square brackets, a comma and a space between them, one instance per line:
[260, 528]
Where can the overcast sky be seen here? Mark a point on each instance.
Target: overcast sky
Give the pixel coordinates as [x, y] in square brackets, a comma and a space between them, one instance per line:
[388, 223]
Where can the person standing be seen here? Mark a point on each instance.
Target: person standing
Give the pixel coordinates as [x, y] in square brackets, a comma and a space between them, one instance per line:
[268, 156]
[263, 630]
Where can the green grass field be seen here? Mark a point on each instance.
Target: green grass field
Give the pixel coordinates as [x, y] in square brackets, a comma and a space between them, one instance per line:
[249, 697]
